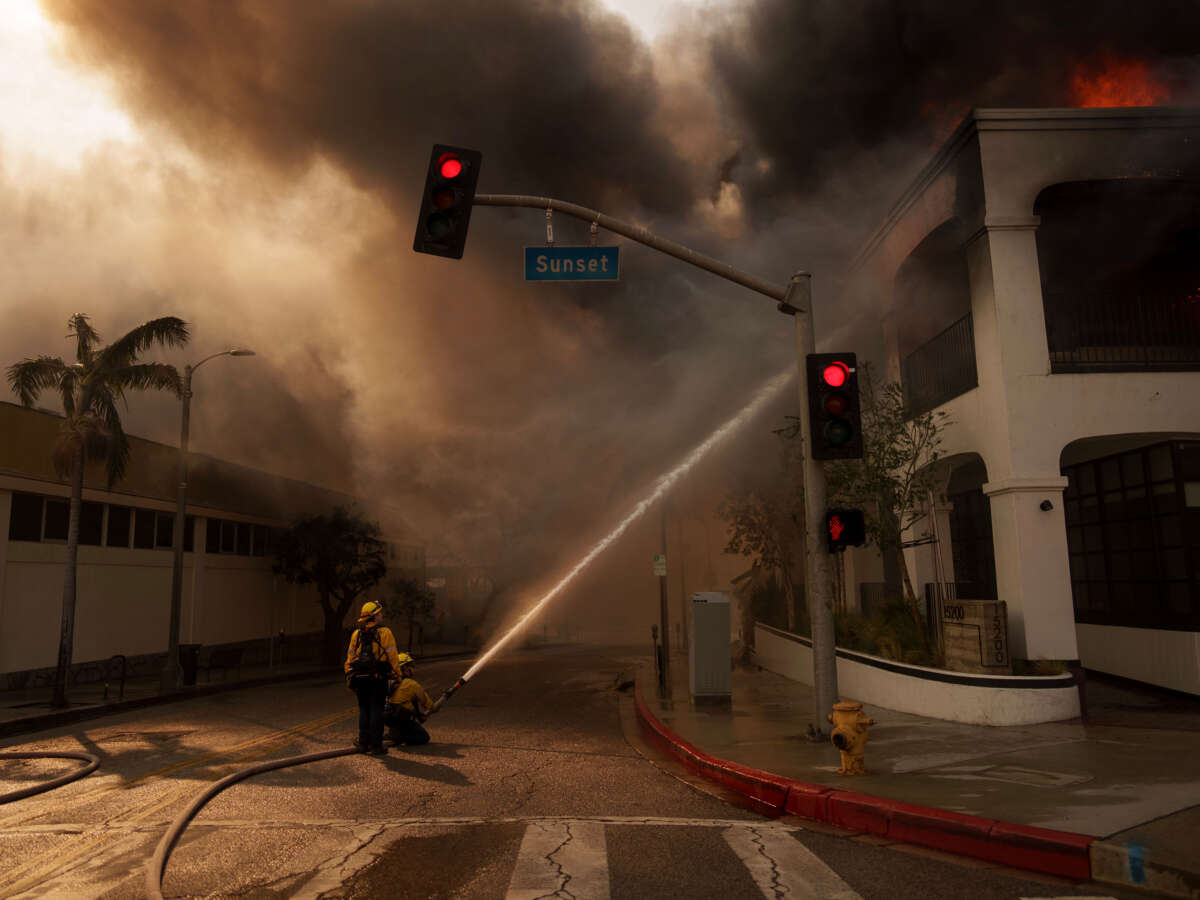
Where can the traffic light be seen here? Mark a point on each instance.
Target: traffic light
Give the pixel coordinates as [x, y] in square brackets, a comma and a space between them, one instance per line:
[836, 425]
[845, 528]
[446, 201]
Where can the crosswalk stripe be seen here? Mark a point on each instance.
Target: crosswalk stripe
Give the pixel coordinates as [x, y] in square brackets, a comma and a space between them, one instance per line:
[781, 866]
[560, 856]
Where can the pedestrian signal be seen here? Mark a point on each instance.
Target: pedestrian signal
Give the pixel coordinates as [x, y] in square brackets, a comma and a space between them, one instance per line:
[836, 426]
[446, 201]
[845, 528]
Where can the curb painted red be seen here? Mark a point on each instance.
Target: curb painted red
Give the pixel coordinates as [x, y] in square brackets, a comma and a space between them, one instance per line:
[1060, 853]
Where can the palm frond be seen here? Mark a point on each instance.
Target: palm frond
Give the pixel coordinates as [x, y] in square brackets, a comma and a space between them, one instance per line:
[145, 376]
[86, 337]
[168, 331]
[68, 386]
[30, 377]
[117, 443]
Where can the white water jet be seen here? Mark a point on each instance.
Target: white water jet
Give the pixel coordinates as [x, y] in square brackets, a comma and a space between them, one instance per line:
[664, 483]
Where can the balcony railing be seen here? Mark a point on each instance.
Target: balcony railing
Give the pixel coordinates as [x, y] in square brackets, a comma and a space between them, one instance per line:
[941, 369]
[1119, 333]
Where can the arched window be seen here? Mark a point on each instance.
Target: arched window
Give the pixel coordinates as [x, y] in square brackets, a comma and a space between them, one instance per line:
[1120, 266]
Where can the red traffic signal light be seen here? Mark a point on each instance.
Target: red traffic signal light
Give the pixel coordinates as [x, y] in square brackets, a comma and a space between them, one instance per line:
[835, 425]
[446, 201]
[844, 528]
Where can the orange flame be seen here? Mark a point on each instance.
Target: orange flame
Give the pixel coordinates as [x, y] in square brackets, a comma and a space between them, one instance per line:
[1111, 81]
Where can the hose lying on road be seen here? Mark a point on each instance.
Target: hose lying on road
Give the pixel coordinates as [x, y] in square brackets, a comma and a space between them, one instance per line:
[157, 866]
[93, 762]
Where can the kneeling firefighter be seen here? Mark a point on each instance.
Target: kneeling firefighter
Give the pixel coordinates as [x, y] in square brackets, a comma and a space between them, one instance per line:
[371, 662]
[407, 707]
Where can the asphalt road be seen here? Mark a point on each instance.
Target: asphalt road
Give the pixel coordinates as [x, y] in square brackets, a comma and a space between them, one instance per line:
[537, 784]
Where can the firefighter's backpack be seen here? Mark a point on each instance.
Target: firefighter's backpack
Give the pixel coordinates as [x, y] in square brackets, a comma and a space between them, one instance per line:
[366, 668]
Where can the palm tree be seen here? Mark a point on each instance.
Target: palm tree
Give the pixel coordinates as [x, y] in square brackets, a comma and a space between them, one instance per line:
[90, 389]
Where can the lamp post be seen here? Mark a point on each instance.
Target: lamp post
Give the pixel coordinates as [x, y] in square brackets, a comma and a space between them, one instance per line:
[172, 672]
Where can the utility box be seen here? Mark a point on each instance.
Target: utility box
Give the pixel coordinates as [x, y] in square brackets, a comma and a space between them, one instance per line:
[976, 636]
[710, 665]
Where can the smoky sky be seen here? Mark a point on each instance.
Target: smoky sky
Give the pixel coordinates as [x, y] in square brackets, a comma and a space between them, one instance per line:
[771, 134]
[818, 84]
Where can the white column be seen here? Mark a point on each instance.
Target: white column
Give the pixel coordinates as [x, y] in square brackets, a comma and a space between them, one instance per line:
[1032, 573]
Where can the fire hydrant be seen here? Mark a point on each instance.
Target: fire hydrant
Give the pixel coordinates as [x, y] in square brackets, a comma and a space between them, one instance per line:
[850, 735]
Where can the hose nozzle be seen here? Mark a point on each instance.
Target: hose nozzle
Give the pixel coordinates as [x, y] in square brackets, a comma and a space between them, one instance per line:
[450, 691]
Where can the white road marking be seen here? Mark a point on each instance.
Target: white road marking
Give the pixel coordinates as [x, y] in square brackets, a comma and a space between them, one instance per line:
[561, 856]
[781, 866]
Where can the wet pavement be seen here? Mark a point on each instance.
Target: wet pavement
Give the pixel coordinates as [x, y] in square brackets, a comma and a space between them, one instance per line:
[1128, 776]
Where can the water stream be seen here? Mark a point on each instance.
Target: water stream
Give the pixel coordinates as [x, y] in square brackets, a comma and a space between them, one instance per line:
[764, 395]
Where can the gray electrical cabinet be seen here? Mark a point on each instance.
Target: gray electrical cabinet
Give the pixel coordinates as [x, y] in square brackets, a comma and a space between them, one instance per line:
[710, 662]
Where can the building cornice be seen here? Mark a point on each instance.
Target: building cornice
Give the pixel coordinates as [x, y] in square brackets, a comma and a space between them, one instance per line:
[1031, 119]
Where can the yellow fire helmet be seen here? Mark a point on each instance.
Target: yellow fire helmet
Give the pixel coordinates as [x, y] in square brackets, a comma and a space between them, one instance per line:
[369, 609]
[405, 659]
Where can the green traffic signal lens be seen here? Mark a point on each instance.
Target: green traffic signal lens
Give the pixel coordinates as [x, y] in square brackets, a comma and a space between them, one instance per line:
[438, 225]
[838, 432]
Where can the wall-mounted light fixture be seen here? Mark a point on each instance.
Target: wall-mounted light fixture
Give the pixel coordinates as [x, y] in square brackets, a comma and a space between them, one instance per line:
[1046, 506]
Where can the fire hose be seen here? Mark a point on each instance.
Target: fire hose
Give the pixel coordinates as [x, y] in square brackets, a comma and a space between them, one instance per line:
[157, 866]
[93, 762]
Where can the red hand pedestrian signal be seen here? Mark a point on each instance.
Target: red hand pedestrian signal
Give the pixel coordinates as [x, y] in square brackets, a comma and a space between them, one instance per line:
[835, 527]
[845, 528]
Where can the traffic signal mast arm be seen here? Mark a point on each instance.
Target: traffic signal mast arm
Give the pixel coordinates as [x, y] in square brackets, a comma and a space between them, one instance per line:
[796, 300]
[642, 236]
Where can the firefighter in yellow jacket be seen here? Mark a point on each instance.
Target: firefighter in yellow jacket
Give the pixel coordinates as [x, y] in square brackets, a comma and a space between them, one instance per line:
[371, 662]
[407, 707]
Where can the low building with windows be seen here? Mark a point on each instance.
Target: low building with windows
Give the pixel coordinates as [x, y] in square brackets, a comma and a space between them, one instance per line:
[1039, 282]
[230, 596]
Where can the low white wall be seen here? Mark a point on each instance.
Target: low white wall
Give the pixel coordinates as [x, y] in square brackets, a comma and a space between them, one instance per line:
[123, 602]
[1170, 659]
[953, 696]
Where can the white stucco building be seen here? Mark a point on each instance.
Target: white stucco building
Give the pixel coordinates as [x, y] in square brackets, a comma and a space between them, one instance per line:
[1040, 283]
[230, 596]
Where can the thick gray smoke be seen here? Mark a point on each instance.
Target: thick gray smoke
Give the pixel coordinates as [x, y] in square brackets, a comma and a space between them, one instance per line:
[275, 206]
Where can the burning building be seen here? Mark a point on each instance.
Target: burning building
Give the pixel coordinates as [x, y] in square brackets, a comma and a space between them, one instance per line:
[1039, 282]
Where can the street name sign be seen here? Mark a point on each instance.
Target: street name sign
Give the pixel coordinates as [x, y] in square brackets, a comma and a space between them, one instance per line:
[572, 263]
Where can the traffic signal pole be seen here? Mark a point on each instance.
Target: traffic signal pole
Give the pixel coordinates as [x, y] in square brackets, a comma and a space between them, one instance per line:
[818, 571]
[796, 300]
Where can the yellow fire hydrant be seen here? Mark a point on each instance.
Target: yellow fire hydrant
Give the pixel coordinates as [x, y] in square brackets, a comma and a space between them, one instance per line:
[850, 735]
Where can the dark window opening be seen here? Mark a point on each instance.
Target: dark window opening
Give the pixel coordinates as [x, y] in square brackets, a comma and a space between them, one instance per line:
[166, 531]
[228, 536]
[58, 519]
[1120, 265]
[971, 543]
[143, 529]
[91, 524]
[1137, 565]
[212, 536]
[119, 520]
[259, 541]
[25, 519]
[243, 538]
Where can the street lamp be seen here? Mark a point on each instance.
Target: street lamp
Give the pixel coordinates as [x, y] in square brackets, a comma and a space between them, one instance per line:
[172, 673]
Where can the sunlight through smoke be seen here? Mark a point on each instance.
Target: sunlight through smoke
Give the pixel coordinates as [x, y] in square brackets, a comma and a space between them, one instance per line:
[664, 483]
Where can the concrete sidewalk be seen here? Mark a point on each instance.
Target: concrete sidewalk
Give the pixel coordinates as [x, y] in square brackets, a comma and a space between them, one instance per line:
[28, 710]
[1116, 798]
